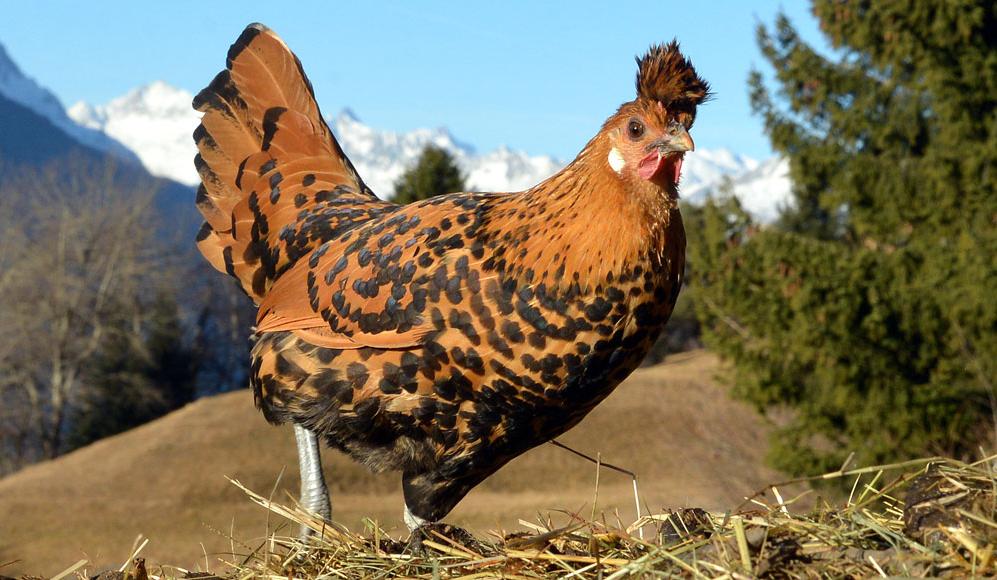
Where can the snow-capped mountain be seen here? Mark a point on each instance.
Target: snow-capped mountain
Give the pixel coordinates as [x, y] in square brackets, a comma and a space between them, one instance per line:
[21, 89]
[156, 121]
[704, 169]
[382, 156]
[765, 189]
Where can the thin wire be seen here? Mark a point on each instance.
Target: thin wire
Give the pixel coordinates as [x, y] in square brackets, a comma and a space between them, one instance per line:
[600, 463]
[556, 443]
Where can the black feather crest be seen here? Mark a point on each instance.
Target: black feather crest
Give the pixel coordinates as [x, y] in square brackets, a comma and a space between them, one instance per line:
[664, 75]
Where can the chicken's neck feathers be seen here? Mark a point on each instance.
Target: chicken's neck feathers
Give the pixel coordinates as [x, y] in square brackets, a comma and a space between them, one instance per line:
[588, 224]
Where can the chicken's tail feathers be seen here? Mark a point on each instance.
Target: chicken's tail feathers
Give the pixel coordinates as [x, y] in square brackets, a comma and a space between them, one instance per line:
[267, 161]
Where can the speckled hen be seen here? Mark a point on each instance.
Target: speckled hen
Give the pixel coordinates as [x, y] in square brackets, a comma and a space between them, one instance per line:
[440, 339]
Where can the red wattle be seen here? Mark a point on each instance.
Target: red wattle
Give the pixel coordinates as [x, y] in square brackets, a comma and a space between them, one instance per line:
[650, 166]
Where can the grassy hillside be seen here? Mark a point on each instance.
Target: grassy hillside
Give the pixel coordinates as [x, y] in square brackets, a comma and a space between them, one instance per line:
[672, 424]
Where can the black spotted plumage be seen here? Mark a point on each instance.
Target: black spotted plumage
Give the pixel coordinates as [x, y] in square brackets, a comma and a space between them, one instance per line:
[446, 337]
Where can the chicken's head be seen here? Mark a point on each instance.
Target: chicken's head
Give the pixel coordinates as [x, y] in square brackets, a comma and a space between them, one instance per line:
[649, 136]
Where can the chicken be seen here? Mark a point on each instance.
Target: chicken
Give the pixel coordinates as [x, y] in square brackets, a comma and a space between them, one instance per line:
[444, 338]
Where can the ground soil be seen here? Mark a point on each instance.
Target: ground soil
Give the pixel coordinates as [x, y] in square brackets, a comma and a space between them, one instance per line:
[673, 424]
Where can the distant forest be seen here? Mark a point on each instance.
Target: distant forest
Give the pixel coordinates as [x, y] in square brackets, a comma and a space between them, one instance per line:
[110, 318]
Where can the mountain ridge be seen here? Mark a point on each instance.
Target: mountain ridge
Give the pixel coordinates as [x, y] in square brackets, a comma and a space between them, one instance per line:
[37, 134]
[25, 91]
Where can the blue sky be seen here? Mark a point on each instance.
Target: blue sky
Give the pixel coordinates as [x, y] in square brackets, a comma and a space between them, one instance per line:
[538, 76]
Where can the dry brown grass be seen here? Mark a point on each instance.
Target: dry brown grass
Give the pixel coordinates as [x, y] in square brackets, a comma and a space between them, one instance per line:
[932, 517]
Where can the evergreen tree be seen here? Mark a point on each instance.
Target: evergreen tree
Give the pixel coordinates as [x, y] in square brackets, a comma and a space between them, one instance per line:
[131, 382]
[172, 363]
[434, 173]
[869, 311]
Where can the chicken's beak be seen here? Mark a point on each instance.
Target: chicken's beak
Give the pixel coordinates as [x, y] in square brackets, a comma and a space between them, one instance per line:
[676, 140]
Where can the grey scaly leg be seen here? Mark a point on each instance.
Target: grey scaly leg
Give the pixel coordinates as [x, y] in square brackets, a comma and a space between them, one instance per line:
[413, 521]
[314, 493]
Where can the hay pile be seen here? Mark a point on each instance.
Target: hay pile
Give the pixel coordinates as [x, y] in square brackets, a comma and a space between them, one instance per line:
[930, 517]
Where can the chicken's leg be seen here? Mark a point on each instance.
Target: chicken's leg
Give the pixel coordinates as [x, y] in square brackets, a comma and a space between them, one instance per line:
[314, 493]
[413, 521]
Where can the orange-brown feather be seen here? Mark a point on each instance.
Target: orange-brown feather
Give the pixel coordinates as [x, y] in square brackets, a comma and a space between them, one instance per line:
[261, 110]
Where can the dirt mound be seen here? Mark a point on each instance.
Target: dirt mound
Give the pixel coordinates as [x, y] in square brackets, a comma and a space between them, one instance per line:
[672, 424]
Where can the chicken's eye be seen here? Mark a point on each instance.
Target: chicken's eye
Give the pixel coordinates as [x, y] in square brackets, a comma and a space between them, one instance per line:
[635, 128]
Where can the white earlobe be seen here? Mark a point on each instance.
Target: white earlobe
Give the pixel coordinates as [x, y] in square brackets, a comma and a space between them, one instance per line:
[616, 160]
